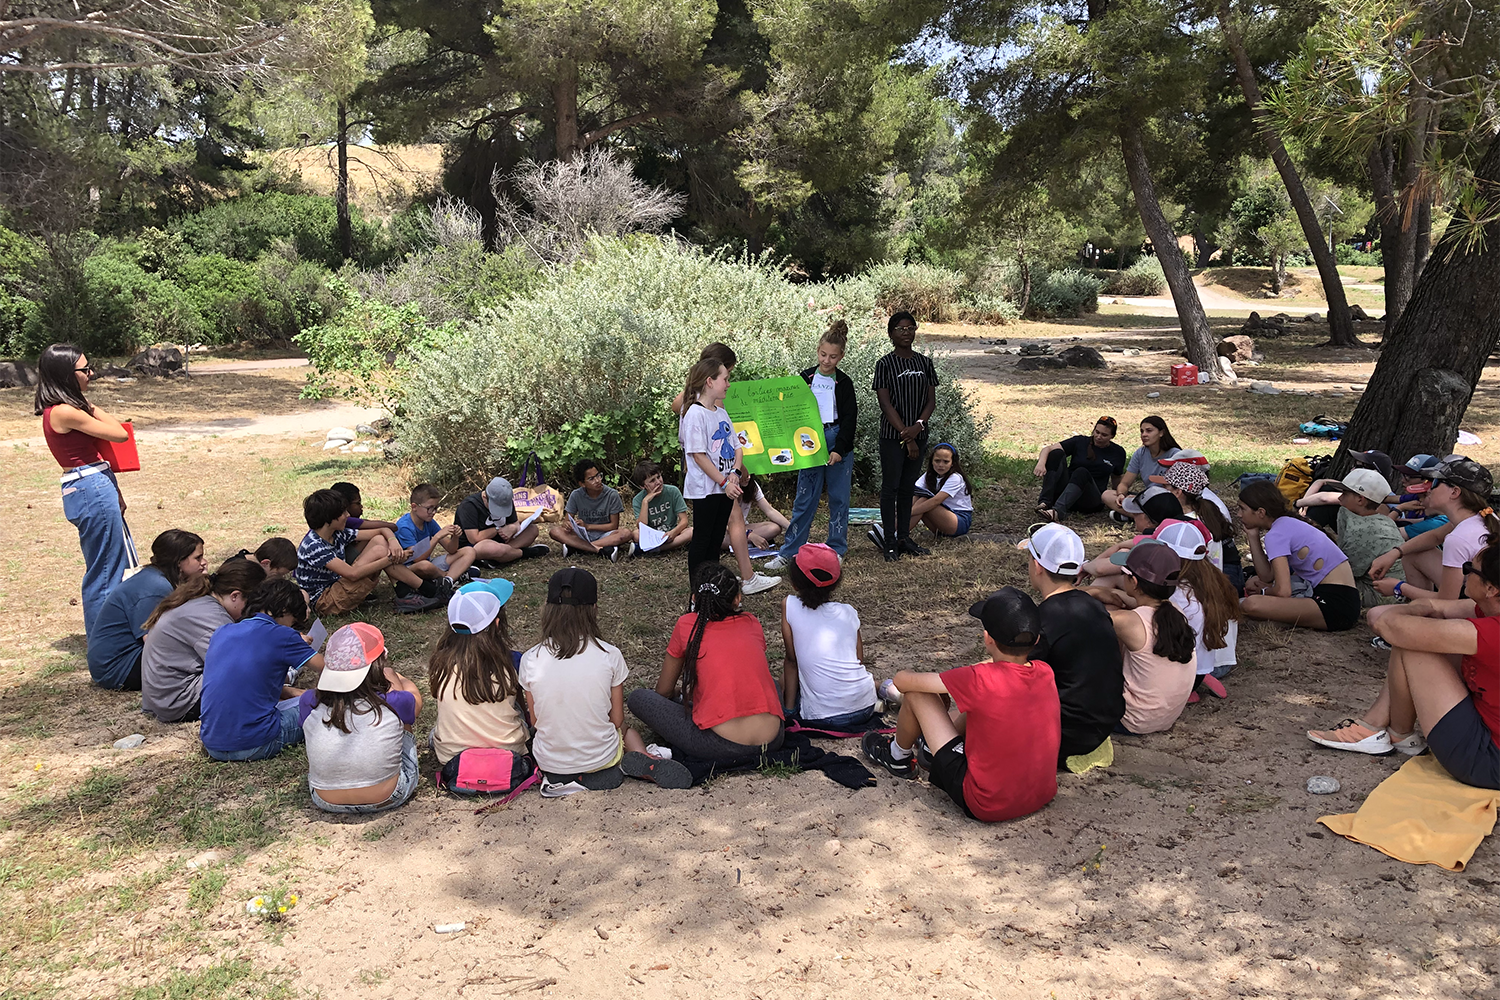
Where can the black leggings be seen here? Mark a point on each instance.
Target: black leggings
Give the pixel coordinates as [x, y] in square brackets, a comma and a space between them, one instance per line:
[1064, 489]
[710, 521]
[898, 481]
[672, 722]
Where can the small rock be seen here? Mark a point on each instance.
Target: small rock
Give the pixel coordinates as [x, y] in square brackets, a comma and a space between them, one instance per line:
[129, 742]
[995, 350]
[341, 434]
[1299, 440]
[1002, 340]
[1312, 318]
[1321, 784]
[330, 445]
[1357, 387]
[360, 448]
[1035, 350]
[1336, 395]
[1265, 388]
[1117, 302]
[17, 372]
[1131, 352]
[365, 429]
[1079, 356]
[1357, 313]
[833, 846]
[157, 361]
[448, 928]
[1153, 395]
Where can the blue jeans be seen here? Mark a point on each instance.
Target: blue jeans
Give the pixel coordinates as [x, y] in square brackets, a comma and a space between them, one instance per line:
[811, 483]
[836, 723]
[92, 505]
[406, 785]
[290, 736]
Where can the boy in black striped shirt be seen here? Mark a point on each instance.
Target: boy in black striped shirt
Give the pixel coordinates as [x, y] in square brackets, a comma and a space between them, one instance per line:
[905, 382]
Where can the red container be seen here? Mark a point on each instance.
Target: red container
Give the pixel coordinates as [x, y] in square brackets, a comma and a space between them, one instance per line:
[1184, 374]
[121, 455]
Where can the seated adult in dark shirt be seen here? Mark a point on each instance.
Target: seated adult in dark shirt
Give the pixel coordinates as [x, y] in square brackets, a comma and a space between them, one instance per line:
[1078, 641]
[1076, 472]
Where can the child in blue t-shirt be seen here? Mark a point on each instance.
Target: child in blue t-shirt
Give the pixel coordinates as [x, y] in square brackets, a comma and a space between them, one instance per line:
[249, 708]
[446, 564]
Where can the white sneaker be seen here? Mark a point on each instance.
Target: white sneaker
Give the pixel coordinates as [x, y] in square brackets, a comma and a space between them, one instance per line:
[776, 564]
[757, 583]
[1350, 735]
[558, 789]
[1412, 745]
[656, 750]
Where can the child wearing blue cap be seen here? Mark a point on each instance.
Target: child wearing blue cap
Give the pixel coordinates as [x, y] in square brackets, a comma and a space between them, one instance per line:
[473, 677]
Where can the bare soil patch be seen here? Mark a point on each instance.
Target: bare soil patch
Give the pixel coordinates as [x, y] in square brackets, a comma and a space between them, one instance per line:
[126, 872]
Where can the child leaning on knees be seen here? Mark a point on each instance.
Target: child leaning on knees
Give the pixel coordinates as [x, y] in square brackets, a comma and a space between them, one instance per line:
[472, 674]
[824, 682]
[996, 756]
[1301, 576]
[355, 505]
[661, 506]
[114, 653]
[361, 754]
[447, 562]
[761, 534]
[838, 406]
[593, 521]
[943, 501]
[249, 703]
[277, 556]
[335, 585]
[575, 690]
[1157, 645]
[491, 526]
[179, 631]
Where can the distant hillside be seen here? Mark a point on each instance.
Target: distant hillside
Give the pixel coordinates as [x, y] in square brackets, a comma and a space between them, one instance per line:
[382, 179]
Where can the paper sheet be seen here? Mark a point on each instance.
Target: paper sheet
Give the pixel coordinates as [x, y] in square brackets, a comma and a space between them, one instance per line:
[419, 551]
[317, 635]
[651, 538]
[528, 522]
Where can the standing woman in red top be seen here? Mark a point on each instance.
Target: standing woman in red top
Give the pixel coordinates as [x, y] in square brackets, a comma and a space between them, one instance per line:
[91, 497]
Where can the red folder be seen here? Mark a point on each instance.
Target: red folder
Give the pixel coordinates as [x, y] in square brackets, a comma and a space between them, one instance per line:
[121, 455]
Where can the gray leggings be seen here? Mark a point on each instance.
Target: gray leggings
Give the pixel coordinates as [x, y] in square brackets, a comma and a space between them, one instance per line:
[673, 723]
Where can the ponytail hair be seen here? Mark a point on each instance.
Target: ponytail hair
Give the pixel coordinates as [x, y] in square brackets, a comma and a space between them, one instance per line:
[237, 573]
[714, 591]
[837, 335]
[1480, 504]
[1175, 640]
[169, 549]
[698, 376]
[1219, 529]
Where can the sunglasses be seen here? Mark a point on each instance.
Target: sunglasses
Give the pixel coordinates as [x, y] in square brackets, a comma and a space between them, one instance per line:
[88, 369]
[1109, 422]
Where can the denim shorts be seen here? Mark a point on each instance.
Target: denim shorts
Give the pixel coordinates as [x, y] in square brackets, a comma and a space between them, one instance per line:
[1466, 748]
[965, 518]
[406, 785]
[290, 736]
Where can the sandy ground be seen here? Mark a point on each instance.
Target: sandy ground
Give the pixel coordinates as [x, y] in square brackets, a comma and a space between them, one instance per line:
[1212, 878]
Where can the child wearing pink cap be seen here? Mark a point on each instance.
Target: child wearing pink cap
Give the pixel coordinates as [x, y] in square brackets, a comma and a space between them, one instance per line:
[824, 683]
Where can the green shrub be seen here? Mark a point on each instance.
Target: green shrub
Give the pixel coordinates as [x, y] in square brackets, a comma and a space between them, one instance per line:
[450, 282]
[1144, 277]
[987, 308]
[1345, 254]
[248, 226]
[108, 305]
[19, 258]
[1065, 294]
[228, 294]
[368, 348]
[928, 293]
[586, 363]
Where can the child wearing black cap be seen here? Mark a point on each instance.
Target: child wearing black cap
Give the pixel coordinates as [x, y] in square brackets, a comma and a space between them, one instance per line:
[575, 692]
[997, 756]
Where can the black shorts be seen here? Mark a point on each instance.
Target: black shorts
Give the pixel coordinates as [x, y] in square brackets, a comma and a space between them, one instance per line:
[1463, 744]
[1339, 604]
[949, 768]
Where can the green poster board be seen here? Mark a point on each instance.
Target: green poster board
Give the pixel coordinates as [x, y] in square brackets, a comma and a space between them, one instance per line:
[779, 425]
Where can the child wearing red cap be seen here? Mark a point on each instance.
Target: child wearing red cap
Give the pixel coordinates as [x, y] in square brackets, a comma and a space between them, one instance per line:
[997, 755]
[823, 681]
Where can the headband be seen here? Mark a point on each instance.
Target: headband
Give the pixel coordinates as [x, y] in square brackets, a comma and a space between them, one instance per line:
[945, 444]
[1109, 422]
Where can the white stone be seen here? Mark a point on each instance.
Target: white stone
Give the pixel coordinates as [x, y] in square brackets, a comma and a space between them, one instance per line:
[1321, 784]
[1265, 388]
[341, 434]
[130, 742]
[330, 445]
[1153, 395]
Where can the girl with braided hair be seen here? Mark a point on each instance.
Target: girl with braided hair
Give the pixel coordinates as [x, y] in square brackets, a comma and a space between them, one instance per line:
[730, 708]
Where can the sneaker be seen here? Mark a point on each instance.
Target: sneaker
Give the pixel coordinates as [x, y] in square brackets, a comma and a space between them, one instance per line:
[657, 750]
[402, 590]
[558, 789]
[568, 550]
[1120, 517]
[608, 552]
[1214, 686]
[443, 588]
[776, 564]
[757, 583]
[618, 552]
[877, 536]
[537, 551]
[877, 747]
[1412, 745]
[1379, 643]
[921, 754]
[887, 692]
[1351, 735]
[911, 548]
[891, 555]
[666, 773]
[416, 603]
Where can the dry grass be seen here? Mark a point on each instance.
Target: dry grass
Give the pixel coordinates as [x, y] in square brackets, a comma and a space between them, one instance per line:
[382, 179]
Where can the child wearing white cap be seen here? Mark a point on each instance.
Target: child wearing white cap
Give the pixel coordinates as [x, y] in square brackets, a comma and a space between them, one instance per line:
[1365, 532]
[473, 678]
[361, 754]
[1210, 604]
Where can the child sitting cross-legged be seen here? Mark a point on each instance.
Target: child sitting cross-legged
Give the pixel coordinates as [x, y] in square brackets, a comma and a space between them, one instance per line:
[824, 682]
[760, 534]
[334, 584]
[997, 754]
[473, 677]
[361, 754]
[661, 506]
[575, 689]
[249, 706]
[593, 517]
[446, 564]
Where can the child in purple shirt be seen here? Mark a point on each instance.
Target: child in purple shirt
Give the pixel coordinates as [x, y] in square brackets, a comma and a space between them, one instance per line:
[1301, 576]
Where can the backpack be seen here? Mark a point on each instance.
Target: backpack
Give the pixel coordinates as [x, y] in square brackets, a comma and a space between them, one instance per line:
[487, 771]
[1300, 473]
[1321, 426]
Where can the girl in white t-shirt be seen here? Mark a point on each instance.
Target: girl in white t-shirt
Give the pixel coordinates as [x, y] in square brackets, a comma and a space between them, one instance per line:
[824, 682]
[575, 691]
[943, 501]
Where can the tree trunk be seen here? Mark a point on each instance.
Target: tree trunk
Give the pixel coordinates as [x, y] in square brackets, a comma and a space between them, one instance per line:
[341, 192]
[1206, 246]
[1024, 266]
[1424, 238]
[1340, 325]
[1434, 354]
[565, 110]
[1195, 332]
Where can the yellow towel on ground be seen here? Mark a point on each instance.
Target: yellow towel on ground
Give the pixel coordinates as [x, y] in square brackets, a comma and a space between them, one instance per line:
[1422, 815]
[1102, 755]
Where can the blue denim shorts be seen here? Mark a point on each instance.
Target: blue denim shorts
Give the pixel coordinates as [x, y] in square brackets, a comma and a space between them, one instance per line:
[290, 736]
[406, 785]
[965, 518]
